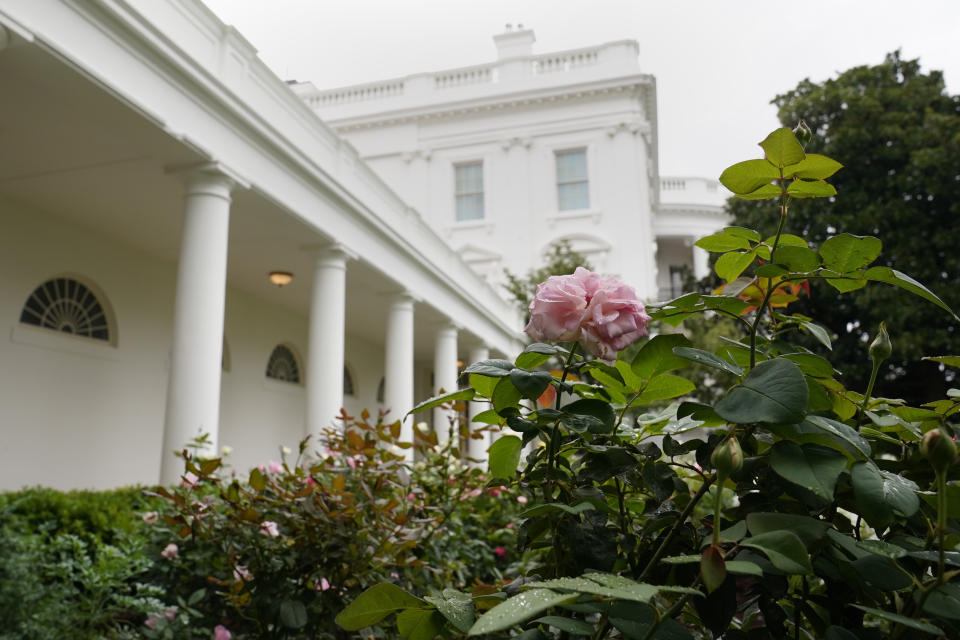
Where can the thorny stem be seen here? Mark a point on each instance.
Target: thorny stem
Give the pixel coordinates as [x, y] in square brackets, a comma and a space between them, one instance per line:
[766, 296]
[555, 436]
[676, 527]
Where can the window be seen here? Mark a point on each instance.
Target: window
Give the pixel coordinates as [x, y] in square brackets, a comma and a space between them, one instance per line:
[282, 365]
[468, 188]
[348, 389]
[676, 280]
[572, 184]
[65, 305]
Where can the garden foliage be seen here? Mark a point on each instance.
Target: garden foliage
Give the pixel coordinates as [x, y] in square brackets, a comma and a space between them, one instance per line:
[793, 506]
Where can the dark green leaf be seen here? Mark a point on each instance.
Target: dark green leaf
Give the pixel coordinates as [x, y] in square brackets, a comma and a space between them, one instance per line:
[809, 530]
[812, 467]
[818, 332]
[902, 280]
[828, 433]
[881, 495]
[904, 620]
[748, 176]
[943, 601]
[518, 609]
[811, 365]
[744, 568]
[881, 572]
[781, 148]
[492, 368]
[419, 624]
[708, 359]
[602, 584]
[569, 625]
[375, 604]
[594, 408]
[505, 456]
[456, 607]
[784, 549]
[774, 391]
[846, 252]
[446, 398]
[530, 384]
[293, 615]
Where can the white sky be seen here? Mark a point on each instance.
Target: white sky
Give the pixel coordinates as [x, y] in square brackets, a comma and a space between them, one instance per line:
[718, 63]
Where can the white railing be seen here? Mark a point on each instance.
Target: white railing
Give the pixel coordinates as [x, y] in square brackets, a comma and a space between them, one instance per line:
[565, 61]
[361, 93]
[463, 77]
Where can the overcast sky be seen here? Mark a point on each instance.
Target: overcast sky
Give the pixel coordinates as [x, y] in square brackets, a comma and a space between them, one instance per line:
[718, 63]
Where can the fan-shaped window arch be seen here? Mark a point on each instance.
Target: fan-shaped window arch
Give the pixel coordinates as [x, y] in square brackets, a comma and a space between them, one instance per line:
[283, 364]
[349, 389]
[67, 305]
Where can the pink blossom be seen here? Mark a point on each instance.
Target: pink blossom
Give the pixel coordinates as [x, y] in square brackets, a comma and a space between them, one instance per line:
[324, 584]
[170, 614]
[475, 492]
[241, 572]
[522, 499]
[189, 480]
[274, 467]
[495, 492]
[509, 525]
[220, 632]
[152, 620]
[394, 575]
[411, 497]
[351, 462]
[170, 551]
[151, 517]
[269, 528]
[500, 552]
[310, 482]
[604, 314]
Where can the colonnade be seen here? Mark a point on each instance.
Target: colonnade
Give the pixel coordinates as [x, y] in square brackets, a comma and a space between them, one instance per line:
[193, 392]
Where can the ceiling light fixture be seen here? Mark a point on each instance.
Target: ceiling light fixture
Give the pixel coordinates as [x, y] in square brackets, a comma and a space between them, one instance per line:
[281, 278]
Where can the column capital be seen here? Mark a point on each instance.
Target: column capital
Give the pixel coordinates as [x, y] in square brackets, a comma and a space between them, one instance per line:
[207, 177]
[401, 299]
[330, 254]
[447, 326]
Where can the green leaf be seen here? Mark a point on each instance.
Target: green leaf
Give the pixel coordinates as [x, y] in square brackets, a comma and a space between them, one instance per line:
[541, 509]
[812, 467]
[811, 189]
[730, 265]
[744, 568]
[436, 401]
[488, 417]
[765, 192]
[602, 584]
[722, 242]
[483, 385]
[657, 355]
[818, 332]
[530, 384]
[799, 259]
[784, 549]
[743, 232]
[535, 355]
[594, 408]
[492, 368]
[902, 280]
[809, 530]
[839, 633]
[293, 615]
[569, 625]
[846, 252]
[950, 361]
[505, 456]
[375, 604]
[257, 480]
[904, 620]
[943, 601]
[663, 387]
[813, 167]
[774, 391]
[708, 360]
[770, 270]
[850, 282]
[811, 364]
[518, 609]
[828, 433]
[419, 624]
[713, 570]
[456, 607]
[748, 176]
[781, 148]
[505, 395]
[881, 495]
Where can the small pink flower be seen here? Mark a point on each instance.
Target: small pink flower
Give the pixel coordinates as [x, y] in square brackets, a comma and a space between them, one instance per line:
[324, 584]
[151, 517]
[310, 482]
[274, 467]
[351, 462]
[394, 575]
[495, 492]
[220, 632]
[170, 551]
[509, 525]
[475, 493]
[152, 620]
[411, 497]
[240, 572]
[522, 499]
[269, 528]
[170, 614]
[499, 552]
[189, 480]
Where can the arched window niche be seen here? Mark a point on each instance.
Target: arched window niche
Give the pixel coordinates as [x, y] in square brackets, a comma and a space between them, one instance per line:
[284, 365]
[349, 387]
[71, 305]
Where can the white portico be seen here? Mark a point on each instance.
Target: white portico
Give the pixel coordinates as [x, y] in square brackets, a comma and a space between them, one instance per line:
[154, 173]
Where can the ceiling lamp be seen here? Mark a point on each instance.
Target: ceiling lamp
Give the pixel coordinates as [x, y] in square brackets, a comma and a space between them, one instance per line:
[281, 278]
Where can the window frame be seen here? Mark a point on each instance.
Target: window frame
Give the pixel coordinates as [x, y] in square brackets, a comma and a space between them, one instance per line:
[557, 153]
[457, 195]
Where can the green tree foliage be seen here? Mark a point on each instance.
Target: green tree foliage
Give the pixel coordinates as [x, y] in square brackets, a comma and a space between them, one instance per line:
[897, 132]
[561, 259]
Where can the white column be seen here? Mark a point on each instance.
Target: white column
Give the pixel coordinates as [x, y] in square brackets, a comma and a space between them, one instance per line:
[398, 366]
[477, 448]
[325, 352]
[445, 378]
[193, 392]
[701, 262]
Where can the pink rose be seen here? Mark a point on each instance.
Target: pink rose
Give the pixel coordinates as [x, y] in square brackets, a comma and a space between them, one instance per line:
[189, 480]
[500, 552]
[152, 620]
[274, 467]
[522, 499]
[170, 551]
[170, 614]
[220, 632]
[603, 314]
[269, 528]
[151, 517]
[324, 584]
[240, 572]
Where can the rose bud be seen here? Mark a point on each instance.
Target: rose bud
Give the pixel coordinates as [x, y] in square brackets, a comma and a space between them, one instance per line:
[727, 458]
[939, 449]
[803, 133]
[881, 348]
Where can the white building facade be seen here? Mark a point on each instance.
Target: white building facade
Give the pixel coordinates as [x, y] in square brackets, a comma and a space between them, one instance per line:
[506, 159]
